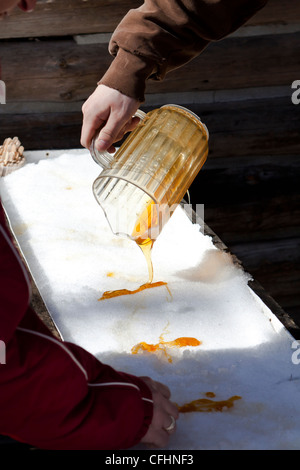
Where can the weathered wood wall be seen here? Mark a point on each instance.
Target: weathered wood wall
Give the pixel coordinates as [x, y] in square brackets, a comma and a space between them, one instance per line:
[241, 87]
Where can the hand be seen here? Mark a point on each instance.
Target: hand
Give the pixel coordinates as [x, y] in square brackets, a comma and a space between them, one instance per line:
[163, 410]
[7, 6]
[111, 112]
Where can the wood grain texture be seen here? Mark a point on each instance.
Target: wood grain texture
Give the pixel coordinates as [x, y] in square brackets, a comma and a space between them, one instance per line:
[62, 71]
[69, 17]
[259, 127]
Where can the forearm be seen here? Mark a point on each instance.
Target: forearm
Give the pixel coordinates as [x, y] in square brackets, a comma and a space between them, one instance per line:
[65, 399]
[162, 35]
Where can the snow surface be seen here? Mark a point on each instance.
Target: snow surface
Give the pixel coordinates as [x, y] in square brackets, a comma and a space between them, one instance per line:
[74, 257]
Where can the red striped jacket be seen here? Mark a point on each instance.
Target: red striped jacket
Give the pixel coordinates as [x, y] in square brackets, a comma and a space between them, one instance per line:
[54, 394]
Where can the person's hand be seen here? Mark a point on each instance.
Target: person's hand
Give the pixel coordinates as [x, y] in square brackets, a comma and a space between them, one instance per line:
[7, 6]
[112, 113]
[165, 413]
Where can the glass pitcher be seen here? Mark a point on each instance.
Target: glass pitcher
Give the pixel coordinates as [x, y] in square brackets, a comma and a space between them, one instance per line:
[141, 184]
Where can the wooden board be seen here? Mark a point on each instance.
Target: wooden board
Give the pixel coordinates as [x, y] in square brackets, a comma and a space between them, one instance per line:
[70, 17]
[67, 17]
[248, 204]
[237, 129]
[62, 71]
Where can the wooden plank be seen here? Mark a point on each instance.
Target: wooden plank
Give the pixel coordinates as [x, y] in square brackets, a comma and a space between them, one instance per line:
[250, 203]
[260, 127]
[43, 131]
[62, 71]
[254, 220]
[276, 265]
[289, 318]
[251, 127]
[68, 17]
[56, 71]
[237, 63]
[277, 12]
[265, 253]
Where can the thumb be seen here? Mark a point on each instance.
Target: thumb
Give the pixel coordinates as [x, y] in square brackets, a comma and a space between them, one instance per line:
[109, 132]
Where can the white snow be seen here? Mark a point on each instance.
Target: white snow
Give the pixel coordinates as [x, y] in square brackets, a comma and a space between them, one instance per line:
[74, 257]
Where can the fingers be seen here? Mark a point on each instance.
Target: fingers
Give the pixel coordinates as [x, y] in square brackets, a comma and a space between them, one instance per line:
[129, 126]
[165, 414]
[162, 427]
[114, 130]
[92, 121]
[109, 133]
[170, 428]
[108, 113]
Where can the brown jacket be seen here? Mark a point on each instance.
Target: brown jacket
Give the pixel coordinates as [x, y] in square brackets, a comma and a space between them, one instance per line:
[164, 34]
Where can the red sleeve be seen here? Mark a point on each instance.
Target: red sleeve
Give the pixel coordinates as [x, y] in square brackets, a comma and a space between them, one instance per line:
[58, 396]
[54, 394]
[14, 284]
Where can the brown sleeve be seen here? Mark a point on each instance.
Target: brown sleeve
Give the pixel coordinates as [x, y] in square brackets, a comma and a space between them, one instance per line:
[162, 35]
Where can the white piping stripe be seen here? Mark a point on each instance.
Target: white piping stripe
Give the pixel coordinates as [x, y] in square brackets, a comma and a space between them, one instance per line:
[59, 344]
[147, 399]
[109, 384]
[127, 384]
[8, 240]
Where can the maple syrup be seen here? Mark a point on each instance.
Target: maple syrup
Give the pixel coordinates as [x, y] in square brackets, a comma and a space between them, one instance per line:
[116, 293]
[142, 233]
[163, 345]
[154, 167]
[146, 247]
[202, 404]
[206, 405]
[145, 223]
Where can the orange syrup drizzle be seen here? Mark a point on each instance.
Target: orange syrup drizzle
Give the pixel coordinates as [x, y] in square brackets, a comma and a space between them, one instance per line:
[116, 293]
[206, 405]
[140, 235]
[163, 345]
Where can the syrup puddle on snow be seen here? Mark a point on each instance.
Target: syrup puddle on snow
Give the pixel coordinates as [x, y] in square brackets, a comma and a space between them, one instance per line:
[203, 405]
[163, 346]
[116, 293]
